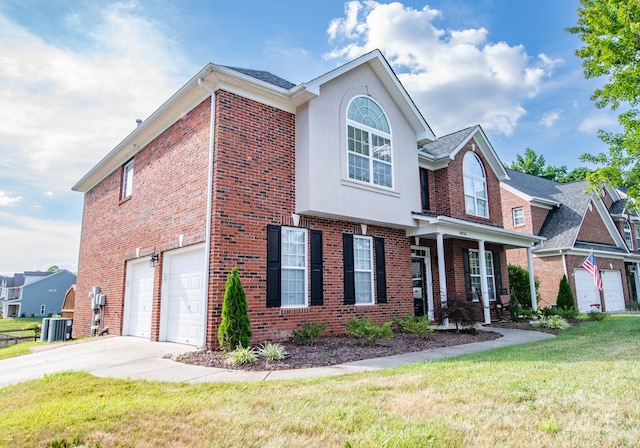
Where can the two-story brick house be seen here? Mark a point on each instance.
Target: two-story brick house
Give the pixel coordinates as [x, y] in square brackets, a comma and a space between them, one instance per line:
[575, 223]
[329, 196]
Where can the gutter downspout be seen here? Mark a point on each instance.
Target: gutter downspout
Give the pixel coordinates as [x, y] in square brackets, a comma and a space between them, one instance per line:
[209, 207]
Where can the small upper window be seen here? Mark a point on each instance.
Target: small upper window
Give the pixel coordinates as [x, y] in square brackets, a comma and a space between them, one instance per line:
[127, 179]
[369, 143]
[475, 186]
[627, 235]
[518, 216]
[637, 236]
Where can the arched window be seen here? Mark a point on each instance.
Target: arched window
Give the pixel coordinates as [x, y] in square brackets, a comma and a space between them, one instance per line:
[369, 143]
[475, 186]
[627, 235]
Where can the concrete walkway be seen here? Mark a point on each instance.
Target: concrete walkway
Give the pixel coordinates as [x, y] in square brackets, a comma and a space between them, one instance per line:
[136, 358]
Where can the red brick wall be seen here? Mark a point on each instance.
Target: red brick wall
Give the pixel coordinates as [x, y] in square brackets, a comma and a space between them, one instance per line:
[168, 199]
[593, 228]
[448, 190]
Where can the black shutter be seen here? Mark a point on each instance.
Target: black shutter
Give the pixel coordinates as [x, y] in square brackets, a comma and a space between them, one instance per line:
[381, 272]
[349, 272]
[497, 273]
[273, 266]
[467, 271]
[317, 285]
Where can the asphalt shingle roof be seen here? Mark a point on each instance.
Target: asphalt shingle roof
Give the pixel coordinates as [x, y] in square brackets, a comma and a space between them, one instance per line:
[447, 144]
[265, 76]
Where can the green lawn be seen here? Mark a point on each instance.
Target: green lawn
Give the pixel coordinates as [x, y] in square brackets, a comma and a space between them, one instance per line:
[10, 323]
[579, 389]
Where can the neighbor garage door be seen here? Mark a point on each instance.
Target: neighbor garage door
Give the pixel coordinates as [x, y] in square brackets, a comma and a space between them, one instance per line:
[138, 299]
[586, 290]
[612, 290]
[184, 296]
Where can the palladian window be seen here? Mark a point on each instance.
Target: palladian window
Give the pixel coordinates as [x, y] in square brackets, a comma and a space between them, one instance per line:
[369, 143]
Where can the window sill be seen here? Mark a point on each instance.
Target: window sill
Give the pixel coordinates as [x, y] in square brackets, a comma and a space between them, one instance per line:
[294, 310]
[369, 187]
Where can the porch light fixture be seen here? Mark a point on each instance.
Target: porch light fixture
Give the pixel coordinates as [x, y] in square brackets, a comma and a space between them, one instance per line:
[152, 261]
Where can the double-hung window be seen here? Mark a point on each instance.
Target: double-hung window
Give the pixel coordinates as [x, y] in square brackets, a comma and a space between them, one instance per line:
[127, 179]
[476, 282]
[293, 267]
[627, 235]
[518, 216]
[475, 186]
[637, 236]
[363, 269]
[369, 153]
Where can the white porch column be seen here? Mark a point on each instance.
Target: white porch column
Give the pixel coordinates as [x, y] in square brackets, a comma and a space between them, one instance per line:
[484, 286]
[532, 280]
[442, 276]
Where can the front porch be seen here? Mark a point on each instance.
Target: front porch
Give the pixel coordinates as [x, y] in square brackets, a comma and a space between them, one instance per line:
[450, 250]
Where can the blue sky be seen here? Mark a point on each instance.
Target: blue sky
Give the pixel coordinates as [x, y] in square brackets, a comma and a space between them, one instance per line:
[75, 75]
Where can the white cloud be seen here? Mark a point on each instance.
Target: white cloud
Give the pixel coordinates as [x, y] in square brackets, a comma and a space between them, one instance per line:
[549, 118]
[63, 109]
[48, 194]
[8, 200]
[594, 122]
[457, 77]
[31, 244]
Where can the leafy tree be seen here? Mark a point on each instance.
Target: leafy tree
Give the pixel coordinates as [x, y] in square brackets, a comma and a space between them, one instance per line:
[536, 165]
[53, 268]
[610, 32]
[234, 329]
[565, 300]
[519, 284]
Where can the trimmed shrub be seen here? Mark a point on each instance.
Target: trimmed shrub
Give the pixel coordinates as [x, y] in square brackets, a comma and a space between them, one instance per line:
[565, 300]
[596, 315]
[308, 332]
[519, 284]
[420, 326]
[235, 328]
[515, 308]
[369, 332]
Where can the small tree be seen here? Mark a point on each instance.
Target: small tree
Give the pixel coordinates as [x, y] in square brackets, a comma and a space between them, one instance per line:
[234, 329]
[565, 300]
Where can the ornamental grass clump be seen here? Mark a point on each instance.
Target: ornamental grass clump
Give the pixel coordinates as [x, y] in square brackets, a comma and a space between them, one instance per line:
[272, 351]
[369, 332]
[241, 356]
[234, 329]
[554, 322]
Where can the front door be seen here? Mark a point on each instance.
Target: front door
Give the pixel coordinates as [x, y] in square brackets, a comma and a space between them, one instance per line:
[419, 286]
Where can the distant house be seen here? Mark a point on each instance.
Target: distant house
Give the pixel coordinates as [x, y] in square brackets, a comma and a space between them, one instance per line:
[574, 224]
[35, 293]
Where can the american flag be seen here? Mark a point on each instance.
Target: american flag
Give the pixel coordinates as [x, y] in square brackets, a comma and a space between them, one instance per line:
[591, 266]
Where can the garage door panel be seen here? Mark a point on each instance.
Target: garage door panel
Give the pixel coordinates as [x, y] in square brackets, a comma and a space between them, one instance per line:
[612, 290]
[186, 297]
[587, 293]
[139, 300]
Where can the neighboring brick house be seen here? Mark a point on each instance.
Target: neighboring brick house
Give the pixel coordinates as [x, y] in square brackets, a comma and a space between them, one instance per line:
[575, 223]
[331, 197]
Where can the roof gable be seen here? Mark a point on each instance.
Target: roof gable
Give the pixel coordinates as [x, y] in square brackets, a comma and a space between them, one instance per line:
[435, 155]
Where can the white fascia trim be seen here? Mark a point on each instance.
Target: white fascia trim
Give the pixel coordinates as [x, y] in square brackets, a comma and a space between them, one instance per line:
[608, 222]
[431, 163]
[470, 230]
[487, 149]
[535, 201]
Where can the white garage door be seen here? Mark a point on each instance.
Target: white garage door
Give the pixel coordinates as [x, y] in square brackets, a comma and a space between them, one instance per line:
[586, 290]
[184, 296]
[138, 299]
[612, 290]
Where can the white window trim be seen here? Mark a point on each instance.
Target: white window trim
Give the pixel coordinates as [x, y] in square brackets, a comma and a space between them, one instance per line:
[628, 236]
[297, 268]
[371, 131]
[491, 279]
[127, 179]
[637, 236]
[370, 271]
[474, 177]
[517, 218]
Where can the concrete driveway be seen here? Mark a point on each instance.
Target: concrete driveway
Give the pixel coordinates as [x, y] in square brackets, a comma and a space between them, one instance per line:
[137, 358]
